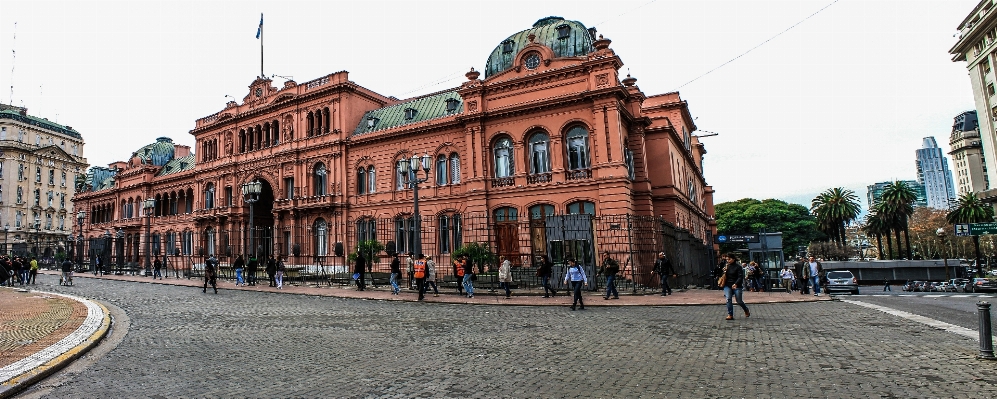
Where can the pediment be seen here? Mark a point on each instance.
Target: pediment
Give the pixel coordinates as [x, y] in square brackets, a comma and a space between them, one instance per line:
[53, 151]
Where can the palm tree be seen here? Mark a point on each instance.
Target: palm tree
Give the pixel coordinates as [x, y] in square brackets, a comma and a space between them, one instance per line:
[875, 226]
[900, 199]
[834, 208]
[971, 210]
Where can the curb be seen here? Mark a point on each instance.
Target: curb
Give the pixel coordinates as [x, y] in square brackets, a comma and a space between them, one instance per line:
[52, 359]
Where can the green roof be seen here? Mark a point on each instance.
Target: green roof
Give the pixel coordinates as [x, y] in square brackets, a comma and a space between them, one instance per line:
[577, 43]
[178, 165]
[39, 122]
[425, 108]
[100, 178]
[158, 153]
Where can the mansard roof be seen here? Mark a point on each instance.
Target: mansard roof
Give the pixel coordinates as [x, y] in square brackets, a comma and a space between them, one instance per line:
[100, 178]
[549, 32]
[20, 114]
[158, 153]
[178, 165]
[422, 109]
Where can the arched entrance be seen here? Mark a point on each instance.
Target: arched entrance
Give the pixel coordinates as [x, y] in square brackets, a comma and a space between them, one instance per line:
[260, 240]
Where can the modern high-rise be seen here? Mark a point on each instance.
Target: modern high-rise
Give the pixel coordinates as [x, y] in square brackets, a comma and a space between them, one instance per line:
[874, 193]
[40, 162]
[933, 173]
[967, 155]
[976, 46]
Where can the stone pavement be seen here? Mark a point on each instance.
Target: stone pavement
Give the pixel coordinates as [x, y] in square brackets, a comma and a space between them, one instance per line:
[257, 343]
[482, 296]
[42, 332]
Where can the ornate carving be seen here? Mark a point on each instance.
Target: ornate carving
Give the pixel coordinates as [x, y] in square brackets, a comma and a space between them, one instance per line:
[602, 79]
[472, 106]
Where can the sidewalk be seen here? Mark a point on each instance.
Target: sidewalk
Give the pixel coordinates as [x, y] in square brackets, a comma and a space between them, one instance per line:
[482, 295]
[42, 332]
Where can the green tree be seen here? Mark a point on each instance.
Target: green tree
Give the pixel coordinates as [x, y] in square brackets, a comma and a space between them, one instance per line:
[748, 215]
[479, 253]
[369, 249]
[877, 227]
[834, 209]
[971, 210]
[898, 199]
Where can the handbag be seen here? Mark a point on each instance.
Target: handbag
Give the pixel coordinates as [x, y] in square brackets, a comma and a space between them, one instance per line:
[356, 276]
[723, 278]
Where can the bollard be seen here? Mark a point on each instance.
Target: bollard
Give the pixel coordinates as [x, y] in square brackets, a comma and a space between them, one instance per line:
[986, 338]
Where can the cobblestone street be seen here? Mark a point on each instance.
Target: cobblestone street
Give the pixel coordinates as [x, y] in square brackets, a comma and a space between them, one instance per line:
[182, 343]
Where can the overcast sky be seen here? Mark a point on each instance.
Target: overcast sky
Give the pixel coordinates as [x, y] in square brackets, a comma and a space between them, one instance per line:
[842, 99]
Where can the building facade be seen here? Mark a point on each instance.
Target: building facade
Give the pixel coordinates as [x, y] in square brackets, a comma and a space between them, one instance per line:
[874, 193]
[39, 162]
[934, 174]
[977, 36]
[550, 129]
[967, 155]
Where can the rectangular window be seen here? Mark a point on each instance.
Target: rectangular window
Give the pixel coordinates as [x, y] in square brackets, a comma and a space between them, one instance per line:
[38, 169]
[228, 196]
[289, 187]
[444, 230]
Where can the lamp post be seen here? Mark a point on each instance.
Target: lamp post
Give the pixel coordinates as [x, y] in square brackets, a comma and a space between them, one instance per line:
[105, 260]
[6, 229]
[411, 168]
[943, 235]
[38, 227]
[80, 216]
[251, 194]
[148, 205]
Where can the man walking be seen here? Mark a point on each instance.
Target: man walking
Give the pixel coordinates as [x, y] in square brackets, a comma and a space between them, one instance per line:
[419, 273]
[240, 267]
[33, 271]
[468, 277]
[815, 269]
[787, 279]
[610, 267]
[802, 272]
[210, 274]
[546, 270]
[358, 271]
[157, 268]
[663, 267]
[279, 274]
[251, 269]
[272, 270]
[886, 285]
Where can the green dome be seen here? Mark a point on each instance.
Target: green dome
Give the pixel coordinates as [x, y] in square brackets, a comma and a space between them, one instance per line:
[565, 38]
[158, 153]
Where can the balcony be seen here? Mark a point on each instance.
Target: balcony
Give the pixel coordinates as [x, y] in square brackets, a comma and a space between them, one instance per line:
[578, 174]
[503, 182]
[539, 178]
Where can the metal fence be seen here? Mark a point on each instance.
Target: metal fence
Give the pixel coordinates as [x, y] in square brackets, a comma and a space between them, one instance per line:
[319, 253]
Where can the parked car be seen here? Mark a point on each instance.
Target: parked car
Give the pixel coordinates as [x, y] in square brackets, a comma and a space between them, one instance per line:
[944, 286]
[919, 286]
[983, 285]
[959, 284]
[842, 280]
[908, 286]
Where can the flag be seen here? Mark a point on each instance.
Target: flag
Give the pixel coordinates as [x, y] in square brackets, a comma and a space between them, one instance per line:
[259, 31]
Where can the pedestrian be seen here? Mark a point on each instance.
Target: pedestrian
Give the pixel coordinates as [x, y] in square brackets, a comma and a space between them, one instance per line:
[468, 276]
[240, 267]
[396, 273]
[732, 281]
[26, 271]
[408, 263]
[358, 270]
[431, 275]
[251, 269]
[663, 267]
[749, 271]
[157, 268]
[96, 266]
[545, 271]
[609, 269]
[210, 274]
[505, 275]
[802, 272]
[815, 269]
[33, 271]
[18, 266]
[886, 286]
[576, 275]
[787, 278]
[279, 274]
[272, 271]
[419, 273]
[67, 273]
[458, 272]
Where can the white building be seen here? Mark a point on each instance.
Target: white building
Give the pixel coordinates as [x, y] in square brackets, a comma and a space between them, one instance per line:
[933, 173]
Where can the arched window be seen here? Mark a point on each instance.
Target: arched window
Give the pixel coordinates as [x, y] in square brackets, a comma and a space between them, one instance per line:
[371, 180]
[405, 234]
[361, 181]
[506, 214]
[209, 240]
[540, 212]
[401, 179]
[449, 233]
[578, 148]
[444, 230]
[539, 153]
[366, 230]
[504, 165]
[319, 179]
[275, 134]
[441, 170]
[581, 207]
[209, 196]
[320, 234]
[454, 168]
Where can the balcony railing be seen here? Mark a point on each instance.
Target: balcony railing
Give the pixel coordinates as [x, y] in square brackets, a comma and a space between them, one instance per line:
[578, 174]
[538, 178]
[503, 181]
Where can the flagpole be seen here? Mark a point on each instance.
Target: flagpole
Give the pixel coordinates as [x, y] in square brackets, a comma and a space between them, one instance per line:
[261, 46]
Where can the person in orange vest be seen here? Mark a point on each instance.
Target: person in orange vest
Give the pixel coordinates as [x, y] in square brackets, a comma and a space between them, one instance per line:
[458, 272]
[419, 272]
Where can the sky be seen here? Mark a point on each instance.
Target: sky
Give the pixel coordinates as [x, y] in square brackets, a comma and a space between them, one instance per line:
[843, 99]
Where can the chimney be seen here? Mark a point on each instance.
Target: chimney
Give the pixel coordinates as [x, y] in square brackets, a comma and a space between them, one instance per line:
[180, 151]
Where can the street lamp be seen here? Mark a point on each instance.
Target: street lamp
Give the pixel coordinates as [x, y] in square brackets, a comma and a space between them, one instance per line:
[411, 168]
[6, 229]
[251, 194]
[148, 205]
[943, 235]
[105, 263]
[38, 227]
[80, 216]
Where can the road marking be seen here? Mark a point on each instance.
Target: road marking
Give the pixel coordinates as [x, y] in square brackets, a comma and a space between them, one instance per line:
[961, 296]
[935, 296]
[941, 325]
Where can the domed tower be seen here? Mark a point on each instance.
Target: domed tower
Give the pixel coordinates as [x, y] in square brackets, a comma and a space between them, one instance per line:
[564, 38]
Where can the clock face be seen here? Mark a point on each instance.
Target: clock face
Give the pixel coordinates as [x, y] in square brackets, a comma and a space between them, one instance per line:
[532, 61]
[259, 92]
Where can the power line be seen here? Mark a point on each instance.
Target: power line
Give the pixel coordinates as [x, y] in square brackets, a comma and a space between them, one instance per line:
[759, 45]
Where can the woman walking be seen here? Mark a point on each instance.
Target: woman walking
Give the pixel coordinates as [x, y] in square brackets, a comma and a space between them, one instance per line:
[505, 275]
[279, 276]
[546, 270]
[431, 275]
[240, 266]
[396, 272]
[576, 275]
[732, 281]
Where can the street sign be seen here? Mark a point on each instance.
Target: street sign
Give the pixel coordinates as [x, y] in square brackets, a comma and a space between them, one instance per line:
[962, 230]
[979, 229]
[737, 238]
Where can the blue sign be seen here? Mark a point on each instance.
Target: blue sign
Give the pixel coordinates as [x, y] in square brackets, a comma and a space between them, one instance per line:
[722, 239]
